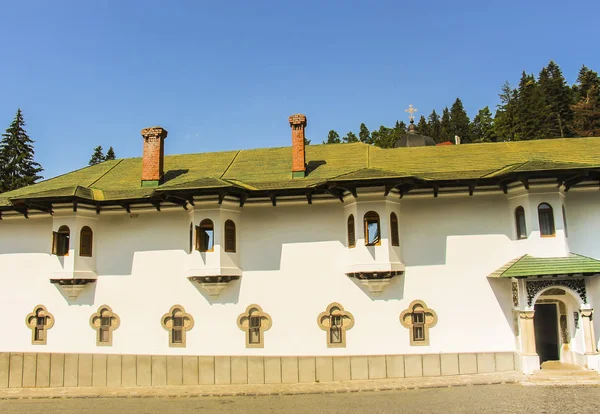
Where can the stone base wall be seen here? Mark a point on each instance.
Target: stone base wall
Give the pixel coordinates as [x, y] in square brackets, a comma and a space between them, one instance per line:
[29, 370]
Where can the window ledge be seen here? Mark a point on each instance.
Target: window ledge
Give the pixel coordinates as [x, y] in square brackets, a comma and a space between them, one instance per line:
[375, 267]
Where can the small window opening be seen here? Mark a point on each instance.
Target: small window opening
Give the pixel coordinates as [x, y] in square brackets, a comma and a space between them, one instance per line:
[336, 329]
[177, 329]
[86, 241]
[394, 230]
[254, 327]
[351, 232]
[520, 222]
[60, 241]
[205, 236]
[418, 321]
[546, 218]
[372, 229]
[230, 236]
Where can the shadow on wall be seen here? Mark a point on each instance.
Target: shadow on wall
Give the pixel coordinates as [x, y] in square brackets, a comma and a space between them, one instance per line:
[265, 232]
[502, 289]
[124, 236]
[26, 236]
[427, 224]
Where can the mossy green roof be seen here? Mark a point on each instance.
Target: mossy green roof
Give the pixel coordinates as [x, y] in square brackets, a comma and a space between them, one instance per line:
[269, 169]
[527, 265]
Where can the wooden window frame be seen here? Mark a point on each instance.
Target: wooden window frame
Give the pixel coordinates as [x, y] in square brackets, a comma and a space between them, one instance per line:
[39, 333]
[201, 234]
[103, 314]
[549, 213]
[61, 241]
[372, 217]
[394, 235]
[326, 320]
[428, 319]
[230, 239]
[167, 322]
[244, 322]
[351, 230]
[191, 238]
[86, 235]
[521, 232]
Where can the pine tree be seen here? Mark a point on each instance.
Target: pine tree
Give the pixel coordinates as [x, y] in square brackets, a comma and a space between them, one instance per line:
[400, 128]
[555, 98]
[423, 127]
[529, 107]
[482, 127]
[110, 154]
[504, 121]
[364, 135]
[586, 110]
[459, 121]
[17, 166]
[350, 137]
[97, 156]
[434, 126]
[445, 127]
[383, 138]
[306, 141]
[332, 138]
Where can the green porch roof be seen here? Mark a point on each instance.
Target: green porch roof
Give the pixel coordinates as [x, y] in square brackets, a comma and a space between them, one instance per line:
[269, 169]
[527, 265]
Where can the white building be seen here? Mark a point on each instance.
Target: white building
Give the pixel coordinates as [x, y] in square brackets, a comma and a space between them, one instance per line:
[298, 264]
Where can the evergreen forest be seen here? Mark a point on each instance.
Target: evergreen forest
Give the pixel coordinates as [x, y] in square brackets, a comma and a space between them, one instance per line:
[539, 107]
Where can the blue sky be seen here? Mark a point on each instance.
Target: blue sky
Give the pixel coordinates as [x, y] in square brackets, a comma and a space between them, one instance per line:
[225, 75]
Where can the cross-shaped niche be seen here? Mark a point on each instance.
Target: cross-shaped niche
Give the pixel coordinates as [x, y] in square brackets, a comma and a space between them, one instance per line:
[104, 322]
[335, 321]
[254, 322]
[418, 318]
[39, 321]
[177, 322]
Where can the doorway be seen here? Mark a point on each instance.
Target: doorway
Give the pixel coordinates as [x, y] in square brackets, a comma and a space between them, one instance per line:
[545, 322]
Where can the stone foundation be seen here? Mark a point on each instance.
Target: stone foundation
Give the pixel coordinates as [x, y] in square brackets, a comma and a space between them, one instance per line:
[35, 370]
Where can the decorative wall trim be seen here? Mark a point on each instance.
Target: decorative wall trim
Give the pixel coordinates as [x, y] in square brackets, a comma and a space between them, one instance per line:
[256, 340]
[419, 331]
[177, 333]
[104, 311]
[536, 286]
[39, 331]
[335, 321]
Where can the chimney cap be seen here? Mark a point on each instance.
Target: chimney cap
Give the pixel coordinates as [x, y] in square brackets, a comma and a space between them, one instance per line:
[155, 131]
[298, 119]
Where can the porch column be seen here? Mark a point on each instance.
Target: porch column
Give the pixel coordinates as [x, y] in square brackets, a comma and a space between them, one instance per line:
[589, 335]
[527, 331]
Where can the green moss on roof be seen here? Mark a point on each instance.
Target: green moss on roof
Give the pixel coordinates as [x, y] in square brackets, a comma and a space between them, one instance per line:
[270, 168]
[541, 266]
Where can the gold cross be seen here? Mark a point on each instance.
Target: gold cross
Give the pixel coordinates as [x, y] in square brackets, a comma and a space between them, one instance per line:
[411, 112]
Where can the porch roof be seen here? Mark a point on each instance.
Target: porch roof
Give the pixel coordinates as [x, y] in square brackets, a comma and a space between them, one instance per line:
[526, 265]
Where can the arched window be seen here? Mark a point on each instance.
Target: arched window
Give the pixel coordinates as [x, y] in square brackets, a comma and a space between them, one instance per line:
[86, 239]
[372, 229]
[565, 221]
[60, 241]
[394, 229]
[520, 222]
[546, 217]
[191, 247]
[351, 232]
[230, 236]
[205, 236]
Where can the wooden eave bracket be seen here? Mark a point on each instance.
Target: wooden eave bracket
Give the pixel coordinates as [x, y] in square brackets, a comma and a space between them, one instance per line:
[309, 197]
[243, 199]
[273, 198]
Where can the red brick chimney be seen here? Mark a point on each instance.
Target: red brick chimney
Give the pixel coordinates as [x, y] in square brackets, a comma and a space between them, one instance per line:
[298, 124]
[154, 154]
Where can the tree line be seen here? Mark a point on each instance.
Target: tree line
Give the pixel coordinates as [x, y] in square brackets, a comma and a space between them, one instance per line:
[538, 108]
[18, 167]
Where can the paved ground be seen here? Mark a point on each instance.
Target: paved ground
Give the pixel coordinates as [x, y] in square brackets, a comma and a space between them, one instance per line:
[507, 398]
